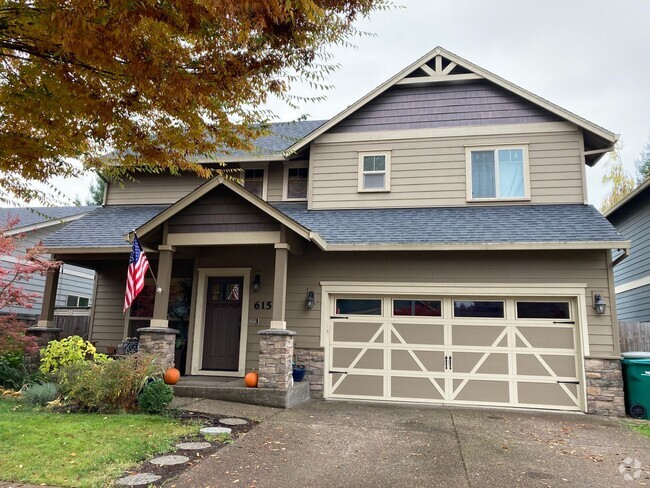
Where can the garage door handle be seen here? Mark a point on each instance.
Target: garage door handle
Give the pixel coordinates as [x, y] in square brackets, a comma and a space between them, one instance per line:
[569, 382]
[337, 317]
[338, 372]
[561, 322]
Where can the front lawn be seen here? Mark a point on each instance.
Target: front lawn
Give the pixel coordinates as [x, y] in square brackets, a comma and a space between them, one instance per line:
[643, 428]
[83, 450]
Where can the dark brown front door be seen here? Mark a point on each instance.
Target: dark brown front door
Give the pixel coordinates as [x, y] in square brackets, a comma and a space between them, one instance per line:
[223, 307]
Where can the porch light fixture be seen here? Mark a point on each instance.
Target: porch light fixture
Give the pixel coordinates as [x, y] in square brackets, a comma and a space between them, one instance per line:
[256, 283]
[310, 300]
[599, 303]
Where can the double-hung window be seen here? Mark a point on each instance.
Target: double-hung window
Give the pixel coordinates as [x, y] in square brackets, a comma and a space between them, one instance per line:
[296, 178]
[254, 181]
[374, 171]
[497, 173]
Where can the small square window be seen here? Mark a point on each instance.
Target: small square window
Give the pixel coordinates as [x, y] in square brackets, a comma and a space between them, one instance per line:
[254, 181]
[498, 174]
[297, 183]
[374, 172]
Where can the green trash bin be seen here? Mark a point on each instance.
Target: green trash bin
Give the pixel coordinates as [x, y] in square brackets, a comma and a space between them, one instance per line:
[636, 376]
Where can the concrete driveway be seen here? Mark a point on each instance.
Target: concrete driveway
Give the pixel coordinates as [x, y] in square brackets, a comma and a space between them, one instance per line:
[332, 444]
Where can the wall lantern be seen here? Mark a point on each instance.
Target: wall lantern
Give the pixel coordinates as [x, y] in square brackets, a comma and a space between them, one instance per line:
[310, 300]
[256, 283]
[599, 303]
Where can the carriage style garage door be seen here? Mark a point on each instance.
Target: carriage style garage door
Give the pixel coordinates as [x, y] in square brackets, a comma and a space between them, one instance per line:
[481, 351]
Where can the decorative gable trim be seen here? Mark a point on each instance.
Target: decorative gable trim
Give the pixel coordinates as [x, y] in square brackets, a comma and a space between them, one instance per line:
[441, 65]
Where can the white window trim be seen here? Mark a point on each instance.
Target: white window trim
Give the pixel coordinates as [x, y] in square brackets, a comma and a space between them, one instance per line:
[468, 172]
[386, 188]
[285, 180]
[67, 297]
[535, 300]
[265, 183]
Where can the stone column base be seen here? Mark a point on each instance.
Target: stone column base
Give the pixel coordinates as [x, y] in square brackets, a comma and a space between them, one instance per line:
[276, 351]
[161, 342]
[314, 362]
[605, 387]
[43, 337]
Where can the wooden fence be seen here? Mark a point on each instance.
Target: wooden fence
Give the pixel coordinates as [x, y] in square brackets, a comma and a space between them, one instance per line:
[72, 325]
[635, 336]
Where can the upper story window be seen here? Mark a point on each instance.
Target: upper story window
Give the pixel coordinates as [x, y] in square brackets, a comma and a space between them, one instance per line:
[296, 179]
[497, 173]
[374, 171]
[77, 301]
[255, 181]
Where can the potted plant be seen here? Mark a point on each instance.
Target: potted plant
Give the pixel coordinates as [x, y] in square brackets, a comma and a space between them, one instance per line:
[298, 372]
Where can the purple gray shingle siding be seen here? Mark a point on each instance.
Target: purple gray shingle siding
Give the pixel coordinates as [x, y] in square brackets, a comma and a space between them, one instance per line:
[435, 105]
[456, 225]
[104, 227]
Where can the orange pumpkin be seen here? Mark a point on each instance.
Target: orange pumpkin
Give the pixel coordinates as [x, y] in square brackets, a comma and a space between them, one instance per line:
[250, 379]
[171, 376]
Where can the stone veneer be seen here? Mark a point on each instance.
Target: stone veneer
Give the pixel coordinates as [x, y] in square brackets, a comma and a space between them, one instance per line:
[276, 353]
[314, 362]
[43, 336]
[161, 342]
[605, 387]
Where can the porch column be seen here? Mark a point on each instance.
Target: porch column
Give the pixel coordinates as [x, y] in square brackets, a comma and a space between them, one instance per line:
[44, 330]
[280, 286]
[158, 338]
[46, 319]
[161, 303]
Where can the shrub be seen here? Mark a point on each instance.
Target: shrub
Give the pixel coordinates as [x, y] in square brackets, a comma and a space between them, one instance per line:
[13, 340]
[14, 374]
[41, 395]
[155, 397]
[108, 386]
[67, 351]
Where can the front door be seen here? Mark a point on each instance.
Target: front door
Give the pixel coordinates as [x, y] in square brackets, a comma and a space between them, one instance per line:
[223, 313]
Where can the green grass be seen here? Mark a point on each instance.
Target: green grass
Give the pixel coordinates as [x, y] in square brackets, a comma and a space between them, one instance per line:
[79, 450]
[643, 428]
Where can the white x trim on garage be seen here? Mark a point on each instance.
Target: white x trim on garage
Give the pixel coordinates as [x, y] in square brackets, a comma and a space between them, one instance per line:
[444, 351]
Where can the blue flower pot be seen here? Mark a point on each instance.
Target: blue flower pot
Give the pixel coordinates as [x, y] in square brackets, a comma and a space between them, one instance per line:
[299, 373]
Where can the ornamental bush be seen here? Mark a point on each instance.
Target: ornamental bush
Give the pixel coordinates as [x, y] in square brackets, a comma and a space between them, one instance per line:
[14, 374]
[41, 395]
[106, 386]
[67, 351]
[155, 397]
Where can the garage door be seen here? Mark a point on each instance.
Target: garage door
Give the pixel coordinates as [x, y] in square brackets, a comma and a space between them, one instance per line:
[484, 351]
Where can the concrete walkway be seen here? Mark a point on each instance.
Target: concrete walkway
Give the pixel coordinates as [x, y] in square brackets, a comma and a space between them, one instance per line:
[332, 444]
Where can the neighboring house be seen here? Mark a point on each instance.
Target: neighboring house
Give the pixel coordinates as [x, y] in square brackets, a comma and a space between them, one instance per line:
[432, 243]
[631, 217]
[75, 286]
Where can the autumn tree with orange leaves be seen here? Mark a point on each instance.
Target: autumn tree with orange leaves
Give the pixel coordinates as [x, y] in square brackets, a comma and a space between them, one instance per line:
[155, 82]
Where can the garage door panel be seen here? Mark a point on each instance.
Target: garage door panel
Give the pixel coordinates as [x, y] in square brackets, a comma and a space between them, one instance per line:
[493, 363]
[530, 365]
[358, 358]
[358, 385]
[547, 394]
[478, 335]
[417, 388]
[481, 391]
[419, 333]
[546, 337]
[433, 361]
[355, 331]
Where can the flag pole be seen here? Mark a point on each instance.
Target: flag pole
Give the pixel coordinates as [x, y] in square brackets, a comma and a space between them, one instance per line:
[158, 289]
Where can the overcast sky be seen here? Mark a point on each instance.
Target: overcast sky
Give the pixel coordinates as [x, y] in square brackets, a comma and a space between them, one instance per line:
[588, 56]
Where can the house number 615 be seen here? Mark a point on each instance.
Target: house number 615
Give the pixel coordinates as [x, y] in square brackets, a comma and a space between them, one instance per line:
[262, 305]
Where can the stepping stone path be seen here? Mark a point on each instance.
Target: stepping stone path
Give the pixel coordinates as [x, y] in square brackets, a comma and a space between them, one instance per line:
[193, 446]
[169, 460]
[233, 421]
[140, 479]
[215, 430]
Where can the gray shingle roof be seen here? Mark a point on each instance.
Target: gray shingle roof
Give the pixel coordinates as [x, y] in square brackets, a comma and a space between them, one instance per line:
[36, 215]
[455, 225]
[104, 227]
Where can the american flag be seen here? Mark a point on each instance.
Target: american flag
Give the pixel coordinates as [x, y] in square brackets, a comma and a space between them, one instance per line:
[138, 265]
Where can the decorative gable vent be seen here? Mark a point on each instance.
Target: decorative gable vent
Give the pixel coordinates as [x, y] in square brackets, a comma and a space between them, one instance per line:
[438, 70]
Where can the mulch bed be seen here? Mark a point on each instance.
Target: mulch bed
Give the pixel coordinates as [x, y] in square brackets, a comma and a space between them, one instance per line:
[205, 420]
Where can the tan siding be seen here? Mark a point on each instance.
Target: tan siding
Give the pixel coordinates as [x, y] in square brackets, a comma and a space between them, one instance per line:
[276, 176]
[152, 189]
[108, 320]
[431, 171]
[308, 271]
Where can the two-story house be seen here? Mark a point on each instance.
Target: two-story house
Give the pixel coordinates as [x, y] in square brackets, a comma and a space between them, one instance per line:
[432, 243]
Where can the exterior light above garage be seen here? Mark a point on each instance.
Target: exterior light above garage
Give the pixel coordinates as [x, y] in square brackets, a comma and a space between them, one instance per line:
[310, 300]
[599, 304]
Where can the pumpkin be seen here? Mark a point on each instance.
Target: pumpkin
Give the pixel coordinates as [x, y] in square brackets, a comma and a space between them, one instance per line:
[250, 379]
[171, 376]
